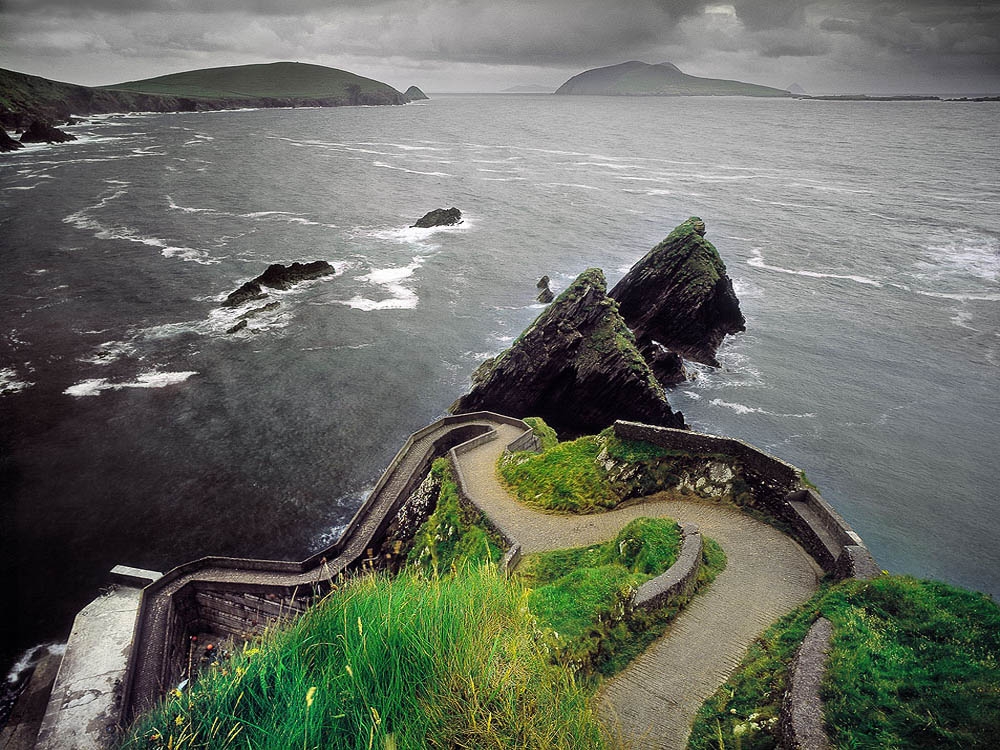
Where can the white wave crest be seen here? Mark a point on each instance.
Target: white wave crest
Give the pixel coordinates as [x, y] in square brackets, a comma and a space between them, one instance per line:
[151, 379]
[31, 657]
[757, 261]
[10, 382]
[744, 409]
[383, 165]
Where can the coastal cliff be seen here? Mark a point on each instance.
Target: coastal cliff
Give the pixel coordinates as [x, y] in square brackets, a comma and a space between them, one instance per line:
[576, 366]
[680, 296]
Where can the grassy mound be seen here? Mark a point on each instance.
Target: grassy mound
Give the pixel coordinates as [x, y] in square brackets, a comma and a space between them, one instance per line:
[913, 664]
[583, 595]
[388, 663]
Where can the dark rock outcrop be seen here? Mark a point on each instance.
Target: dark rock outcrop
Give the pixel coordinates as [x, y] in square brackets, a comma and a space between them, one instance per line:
[278, 276]
[667, 366]
[43, 132]
[238, 327]
[576, 366]
[680, 296]
[414, 94]
[545, 295]
[439, 217]
[7, 143]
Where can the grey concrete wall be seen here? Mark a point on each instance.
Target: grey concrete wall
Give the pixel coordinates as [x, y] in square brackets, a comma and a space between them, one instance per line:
[801, 721]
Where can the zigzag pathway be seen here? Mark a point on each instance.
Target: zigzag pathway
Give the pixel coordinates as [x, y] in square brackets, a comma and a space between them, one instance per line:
[654, 700]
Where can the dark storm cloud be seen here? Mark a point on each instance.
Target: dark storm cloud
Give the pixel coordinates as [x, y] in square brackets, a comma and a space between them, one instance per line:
[563, 35]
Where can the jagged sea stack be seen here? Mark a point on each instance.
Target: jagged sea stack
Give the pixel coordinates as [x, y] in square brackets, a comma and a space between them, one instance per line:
[680, 296]
[576, 366]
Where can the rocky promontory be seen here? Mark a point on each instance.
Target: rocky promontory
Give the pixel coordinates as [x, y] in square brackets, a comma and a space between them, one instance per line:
[576, 366]
[414, 94]
[439, 217]
[278, 276]
[7, 143]
[680, 296]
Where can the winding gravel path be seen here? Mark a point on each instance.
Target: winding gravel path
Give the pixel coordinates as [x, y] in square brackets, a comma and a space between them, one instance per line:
[654, 700]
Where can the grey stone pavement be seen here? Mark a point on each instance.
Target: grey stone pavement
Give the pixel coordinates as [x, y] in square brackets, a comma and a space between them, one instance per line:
[652, 703]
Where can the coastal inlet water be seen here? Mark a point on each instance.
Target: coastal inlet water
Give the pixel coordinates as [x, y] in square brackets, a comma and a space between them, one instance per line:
[863, 238]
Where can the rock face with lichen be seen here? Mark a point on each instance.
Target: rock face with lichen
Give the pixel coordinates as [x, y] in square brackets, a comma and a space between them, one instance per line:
[680, 296]
[576, 366]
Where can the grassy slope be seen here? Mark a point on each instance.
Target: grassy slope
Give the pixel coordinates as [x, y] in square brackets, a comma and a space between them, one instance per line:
[914, 664]
[271, 80]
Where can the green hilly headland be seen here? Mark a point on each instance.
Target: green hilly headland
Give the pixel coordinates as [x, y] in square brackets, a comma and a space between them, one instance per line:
[666, 79]
[24, 97]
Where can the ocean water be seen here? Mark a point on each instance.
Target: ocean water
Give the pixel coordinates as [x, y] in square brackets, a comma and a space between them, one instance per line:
[863, 239]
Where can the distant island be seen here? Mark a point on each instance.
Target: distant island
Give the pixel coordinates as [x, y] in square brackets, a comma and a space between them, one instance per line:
[666, 79]
[25, 98]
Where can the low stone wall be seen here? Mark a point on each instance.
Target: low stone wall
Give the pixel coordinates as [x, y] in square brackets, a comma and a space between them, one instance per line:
[801, 723]
[778, 491]
[680, 579]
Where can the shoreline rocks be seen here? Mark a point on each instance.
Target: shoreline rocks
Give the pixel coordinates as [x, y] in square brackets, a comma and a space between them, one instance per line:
[43, 132]
[439, 217]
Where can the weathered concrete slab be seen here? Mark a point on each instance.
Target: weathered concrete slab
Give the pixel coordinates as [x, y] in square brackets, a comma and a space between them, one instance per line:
[83, 709]
[21, 729]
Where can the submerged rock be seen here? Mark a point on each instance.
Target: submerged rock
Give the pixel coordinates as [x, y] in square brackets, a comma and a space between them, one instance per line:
[545, 295]
[439, 217]
[238, 327]
[42, 132]
[680, 296]
[278, 276]
[576, 366]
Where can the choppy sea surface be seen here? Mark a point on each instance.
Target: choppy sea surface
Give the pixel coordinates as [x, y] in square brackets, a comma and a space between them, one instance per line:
[863, 238]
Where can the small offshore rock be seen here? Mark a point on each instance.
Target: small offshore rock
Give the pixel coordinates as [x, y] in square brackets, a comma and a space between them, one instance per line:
[238, 327]
[414, 94]
[439, 217]
[42, 132]
[278, 276]
[545, 295]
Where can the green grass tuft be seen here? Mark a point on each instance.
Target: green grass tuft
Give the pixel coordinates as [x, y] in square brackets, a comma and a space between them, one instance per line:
[566, 477]
[547, 437]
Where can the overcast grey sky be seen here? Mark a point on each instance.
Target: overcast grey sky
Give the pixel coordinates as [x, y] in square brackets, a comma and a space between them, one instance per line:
[871, 46]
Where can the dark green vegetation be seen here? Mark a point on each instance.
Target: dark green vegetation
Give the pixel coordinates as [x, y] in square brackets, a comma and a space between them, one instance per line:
[402, 663]
[455, 536]
[24, 97]
[914, 664]
[641, 79]
[547, 437]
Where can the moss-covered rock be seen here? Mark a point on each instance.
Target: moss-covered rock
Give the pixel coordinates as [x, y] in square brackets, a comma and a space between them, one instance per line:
[680, 296]
[576, 366]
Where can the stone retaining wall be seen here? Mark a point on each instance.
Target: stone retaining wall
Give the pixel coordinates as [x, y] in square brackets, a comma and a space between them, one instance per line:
[778, 491]
[801, 723]
[679, 580]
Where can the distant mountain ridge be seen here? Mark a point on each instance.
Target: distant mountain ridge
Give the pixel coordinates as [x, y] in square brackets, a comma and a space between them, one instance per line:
[666, 79]
[25, 97]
